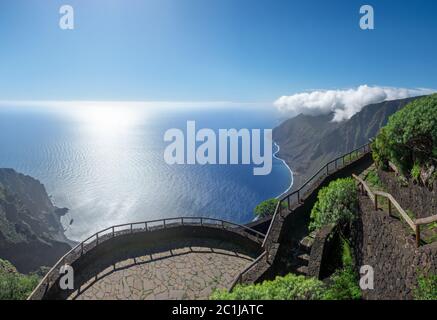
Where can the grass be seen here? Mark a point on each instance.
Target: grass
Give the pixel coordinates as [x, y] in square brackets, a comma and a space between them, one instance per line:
[14, 285]
[343, 284]
[372, 179]
[426, 288]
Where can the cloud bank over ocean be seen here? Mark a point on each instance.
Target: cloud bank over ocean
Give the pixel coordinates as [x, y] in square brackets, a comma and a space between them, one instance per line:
[342, 103]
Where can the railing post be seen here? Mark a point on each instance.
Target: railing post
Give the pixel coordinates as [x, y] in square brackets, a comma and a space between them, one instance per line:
[201, 221]
[376, 202]
[97, 238]
[145, 226]
[113, 232]
[298, 196]
[417, 235]
[165, 226]
[182, 221]
[131, 228]
[81, 248]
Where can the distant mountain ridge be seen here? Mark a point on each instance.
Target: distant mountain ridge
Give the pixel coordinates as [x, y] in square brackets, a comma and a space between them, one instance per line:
[31, 234]
[308, 142]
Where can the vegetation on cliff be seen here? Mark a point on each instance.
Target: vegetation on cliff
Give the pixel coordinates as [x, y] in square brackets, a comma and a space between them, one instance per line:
[289, 287]
[308, 142]
[266, 208]
[426, 288]
[336, 203]
[343, 284]
[14, 285]
[409, 140]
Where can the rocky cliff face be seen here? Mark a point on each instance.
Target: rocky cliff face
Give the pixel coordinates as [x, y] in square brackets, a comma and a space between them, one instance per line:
[31, 234]
[308, 142]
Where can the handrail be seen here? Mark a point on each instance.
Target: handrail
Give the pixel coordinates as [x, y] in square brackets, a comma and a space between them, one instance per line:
[393, 201]
[271, 223]
[426, 220]
[239, 278]
[415, 225]
[96, 237]
[325, 170]
[365, 186]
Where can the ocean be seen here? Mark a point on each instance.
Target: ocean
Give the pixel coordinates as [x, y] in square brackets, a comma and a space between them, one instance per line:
[106, 163]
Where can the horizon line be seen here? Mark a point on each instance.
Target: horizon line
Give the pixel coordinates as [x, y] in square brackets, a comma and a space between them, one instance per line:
[130, 103]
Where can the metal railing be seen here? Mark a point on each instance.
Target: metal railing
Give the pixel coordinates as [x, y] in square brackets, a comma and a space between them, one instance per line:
[239, 278]
[300, 194]
[413, 224]
[130, 228]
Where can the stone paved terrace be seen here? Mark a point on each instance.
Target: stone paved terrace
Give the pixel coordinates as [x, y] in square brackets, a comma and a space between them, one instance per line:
[179, 269]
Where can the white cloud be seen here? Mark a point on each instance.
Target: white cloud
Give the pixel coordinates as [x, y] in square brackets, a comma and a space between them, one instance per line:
[343, 103]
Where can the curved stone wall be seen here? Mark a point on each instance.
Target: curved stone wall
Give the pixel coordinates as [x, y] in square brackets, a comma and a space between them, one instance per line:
[128, 244]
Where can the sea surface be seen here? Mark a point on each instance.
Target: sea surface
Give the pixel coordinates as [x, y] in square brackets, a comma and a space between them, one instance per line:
[105, 162]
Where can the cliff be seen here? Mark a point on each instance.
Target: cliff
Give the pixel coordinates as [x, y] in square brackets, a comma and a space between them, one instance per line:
[308, 142]
[31, 234]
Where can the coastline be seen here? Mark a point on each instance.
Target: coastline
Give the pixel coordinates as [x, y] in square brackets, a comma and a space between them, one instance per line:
[275, 155]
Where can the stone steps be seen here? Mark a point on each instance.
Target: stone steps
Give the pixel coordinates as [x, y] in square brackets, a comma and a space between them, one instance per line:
[302, 270]
[305, 244]
[304, 259]
[302, 255]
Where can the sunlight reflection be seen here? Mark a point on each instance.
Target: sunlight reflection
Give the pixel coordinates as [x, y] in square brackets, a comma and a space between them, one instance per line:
[108, 118]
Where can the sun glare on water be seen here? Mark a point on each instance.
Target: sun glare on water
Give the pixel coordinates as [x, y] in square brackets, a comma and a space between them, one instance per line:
[108, 118]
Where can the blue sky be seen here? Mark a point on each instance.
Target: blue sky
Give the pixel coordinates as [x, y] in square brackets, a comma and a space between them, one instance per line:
[211, 50]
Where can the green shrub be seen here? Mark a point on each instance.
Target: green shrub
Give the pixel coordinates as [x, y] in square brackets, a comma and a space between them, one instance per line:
[336, 203]
[410, 137]
[15, 286]
[373, 179]
[344, 282]
[7, 267]
[343, 285]
[415, 172]
[289, 287]
[426, 288]
[266, 208]
[380, 152]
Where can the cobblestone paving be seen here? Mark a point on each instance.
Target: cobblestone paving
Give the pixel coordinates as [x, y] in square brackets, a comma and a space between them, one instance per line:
[188, 272]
